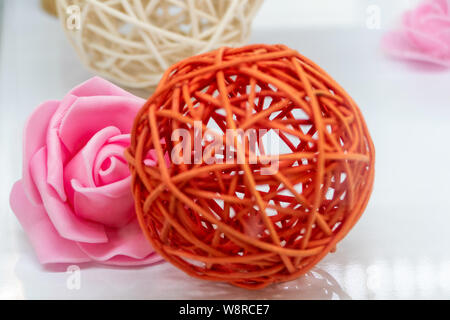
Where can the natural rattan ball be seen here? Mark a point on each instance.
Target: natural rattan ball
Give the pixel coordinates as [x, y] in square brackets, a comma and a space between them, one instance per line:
[132, 42]
[49, 6]
[230, 221]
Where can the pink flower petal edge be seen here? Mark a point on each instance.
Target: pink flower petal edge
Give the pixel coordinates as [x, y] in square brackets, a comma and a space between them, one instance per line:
[424, 35]
[49, 246]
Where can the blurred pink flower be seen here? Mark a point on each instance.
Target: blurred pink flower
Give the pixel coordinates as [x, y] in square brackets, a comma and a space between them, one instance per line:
[424, 35]
[74, 200]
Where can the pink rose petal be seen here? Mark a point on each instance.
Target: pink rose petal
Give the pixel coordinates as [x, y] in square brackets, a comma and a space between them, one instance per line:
[34, 139]
[424, 35]
[111, 205]
[128, 243]
[57, 153]
[401, 48]
[81, 166]
[123, 140]
[67, 224]
[49, 246]
[89, 115]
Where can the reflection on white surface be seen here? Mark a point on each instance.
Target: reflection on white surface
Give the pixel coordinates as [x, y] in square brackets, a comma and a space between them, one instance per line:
[444, 276]
[426, 277]
[355, 278]
[10, 285]
[403, 275]
[161, 282]
[381, 280]
[399, 249]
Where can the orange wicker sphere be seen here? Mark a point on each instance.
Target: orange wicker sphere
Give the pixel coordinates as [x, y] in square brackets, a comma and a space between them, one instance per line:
[230, 221]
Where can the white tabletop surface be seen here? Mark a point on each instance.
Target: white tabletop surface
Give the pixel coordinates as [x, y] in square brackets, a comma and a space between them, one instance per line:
[399, 249]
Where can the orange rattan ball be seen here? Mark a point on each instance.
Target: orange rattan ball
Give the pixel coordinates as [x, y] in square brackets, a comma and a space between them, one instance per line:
[229, 220]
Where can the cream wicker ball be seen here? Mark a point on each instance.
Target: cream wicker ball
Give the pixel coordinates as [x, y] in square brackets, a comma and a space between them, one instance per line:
[132, 42]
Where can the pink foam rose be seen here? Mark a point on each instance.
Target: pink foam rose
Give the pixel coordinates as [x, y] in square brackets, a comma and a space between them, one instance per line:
[74, 200]
[424, 35]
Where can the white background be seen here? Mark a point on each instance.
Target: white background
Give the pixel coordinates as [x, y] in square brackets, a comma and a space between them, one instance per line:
[400, 247]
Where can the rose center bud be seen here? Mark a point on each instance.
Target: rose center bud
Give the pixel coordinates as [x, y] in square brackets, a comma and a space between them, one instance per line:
[110, 165]
[97, 180]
